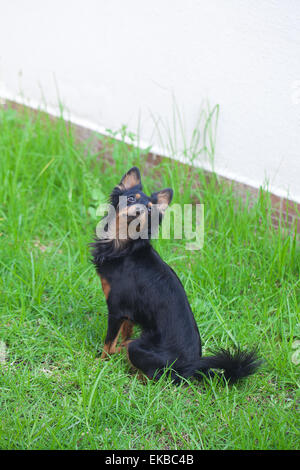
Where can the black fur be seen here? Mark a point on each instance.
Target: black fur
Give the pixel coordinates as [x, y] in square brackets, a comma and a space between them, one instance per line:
[144, 290]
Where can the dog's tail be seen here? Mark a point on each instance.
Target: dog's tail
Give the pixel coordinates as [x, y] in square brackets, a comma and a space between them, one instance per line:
[236, 365]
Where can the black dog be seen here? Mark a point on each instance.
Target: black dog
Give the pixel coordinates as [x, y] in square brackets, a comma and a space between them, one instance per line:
[140, 288]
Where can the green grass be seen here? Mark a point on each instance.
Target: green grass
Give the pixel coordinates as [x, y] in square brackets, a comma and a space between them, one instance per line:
[243, 287]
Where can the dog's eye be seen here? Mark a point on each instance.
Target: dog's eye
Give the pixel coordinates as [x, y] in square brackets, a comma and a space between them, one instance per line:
[131, 199]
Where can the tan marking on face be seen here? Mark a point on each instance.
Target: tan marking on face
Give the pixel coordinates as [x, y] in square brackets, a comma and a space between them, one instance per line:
[125, 226]
[137, 196]
[132, 210]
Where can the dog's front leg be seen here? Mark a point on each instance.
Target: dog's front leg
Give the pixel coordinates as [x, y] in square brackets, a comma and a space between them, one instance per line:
[126, 330]
[113, 331]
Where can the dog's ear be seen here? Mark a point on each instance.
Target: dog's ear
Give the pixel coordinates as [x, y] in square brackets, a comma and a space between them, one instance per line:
[162, 198]
[130, 179]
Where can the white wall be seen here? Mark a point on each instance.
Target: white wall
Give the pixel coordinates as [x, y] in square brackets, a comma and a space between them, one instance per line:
[115, 62]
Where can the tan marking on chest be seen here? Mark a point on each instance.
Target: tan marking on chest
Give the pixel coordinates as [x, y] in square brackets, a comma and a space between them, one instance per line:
[105, 286]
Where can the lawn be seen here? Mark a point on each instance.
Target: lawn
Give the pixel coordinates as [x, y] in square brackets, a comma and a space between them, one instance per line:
[243, 287]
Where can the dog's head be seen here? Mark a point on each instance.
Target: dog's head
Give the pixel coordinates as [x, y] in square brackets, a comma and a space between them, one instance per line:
[136, 215]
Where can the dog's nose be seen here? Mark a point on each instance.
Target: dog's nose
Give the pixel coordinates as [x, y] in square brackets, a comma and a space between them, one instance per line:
[140, 210]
